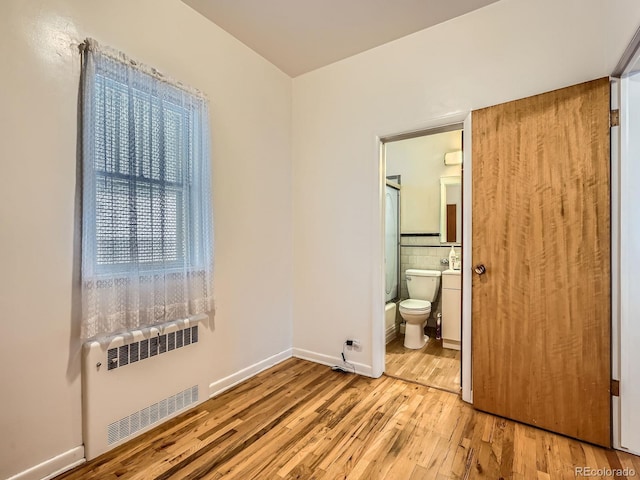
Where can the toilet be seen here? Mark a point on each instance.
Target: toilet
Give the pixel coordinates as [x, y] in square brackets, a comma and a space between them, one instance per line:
[423, 288]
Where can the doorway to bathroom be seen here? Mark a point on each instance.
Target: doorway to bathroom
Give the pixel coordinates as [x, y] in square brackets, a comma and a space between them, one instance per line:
[423, 242]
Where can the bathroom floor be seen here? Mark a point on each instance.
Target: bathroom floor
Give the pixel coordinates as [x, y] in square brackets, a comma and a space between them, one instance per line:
[432, 365]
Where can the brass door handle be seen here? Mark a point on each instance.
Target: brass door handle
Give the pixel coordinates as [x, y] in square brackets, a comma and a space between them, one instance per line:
[480, 269]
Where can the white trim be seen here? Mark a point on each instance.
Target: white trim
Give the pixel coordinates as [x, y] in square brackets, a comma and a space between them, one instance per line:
[615, 263]
[54, 466]
[451, 344]
[378, 287]
[377, 261]
[615, 235]
[629, 331]
[224, 384]
[467, 263]
[329, 360]
[629, 57]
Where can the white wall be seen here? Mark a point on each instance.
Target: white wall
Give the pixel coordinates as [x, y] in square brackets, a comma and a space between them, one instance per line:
[251, 128]
[420, 162]
[508, 50]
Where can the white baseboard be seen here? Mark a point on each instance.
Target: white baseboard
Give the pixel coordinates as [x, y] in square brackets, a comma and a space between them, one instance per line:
[54, 466]
[451, 344]
[390, 333]
[361, 368]
[219, 386]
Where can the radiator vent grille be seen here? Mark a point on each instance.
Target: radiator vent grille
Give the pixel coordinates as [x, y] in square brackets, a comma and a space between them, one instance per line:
[138, 351]
[127, 426]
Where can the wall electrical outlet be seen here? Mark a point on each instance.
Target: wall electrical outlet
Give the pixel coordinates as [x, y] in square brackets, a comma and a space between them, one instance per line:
[354, 344]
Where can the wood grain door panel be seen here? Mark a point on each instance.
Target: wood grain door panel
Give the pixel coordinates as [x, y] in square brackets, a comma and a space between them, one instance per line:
[541, 226]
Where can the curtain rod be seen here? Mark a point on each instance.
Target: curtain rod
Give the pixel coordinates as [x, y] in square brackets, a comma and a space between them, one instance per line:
[92, 45]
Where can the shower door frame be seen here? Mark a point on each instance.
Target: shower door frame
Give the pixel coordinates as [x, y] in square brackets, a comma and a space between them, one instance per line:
[397, 187]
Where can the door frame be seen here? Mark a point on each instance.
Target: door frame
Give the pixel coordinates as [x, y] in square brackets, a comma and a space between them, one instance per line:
[382, 136]
[623, 299]
[616, 419]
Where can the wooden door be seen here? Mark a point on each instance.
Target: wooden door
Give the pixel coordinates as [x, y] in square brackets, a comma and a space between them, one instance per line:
[541, 227]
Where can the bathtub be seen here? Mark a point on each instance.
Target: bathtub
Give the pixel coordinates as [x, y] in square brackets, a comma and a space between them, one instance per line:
[390, 321]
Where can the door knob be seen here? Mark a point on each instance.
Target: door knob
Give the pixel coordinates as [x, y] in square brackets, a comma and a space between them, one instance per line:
[480, 269]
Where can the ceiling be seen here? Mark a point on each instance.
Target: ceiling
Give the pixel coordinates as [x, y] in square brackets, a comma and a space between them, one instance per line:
[301, 35]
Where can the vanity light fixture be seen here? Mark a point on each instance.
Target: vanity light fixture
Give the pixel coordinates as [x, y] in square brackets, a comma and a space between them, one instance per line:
[453, 158]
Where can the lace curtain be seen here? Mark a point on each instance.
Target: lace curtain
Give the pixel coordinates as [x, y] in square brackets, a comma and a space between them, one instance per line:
[147, 248]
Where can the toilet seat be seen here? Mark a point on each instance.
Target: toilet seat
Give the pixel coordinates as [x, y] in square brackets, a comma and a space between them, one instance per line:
[414, 306]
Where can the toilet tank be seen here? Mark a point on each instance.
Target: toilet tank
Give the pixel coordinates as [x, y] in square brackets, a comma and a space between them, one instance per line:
[423, 284]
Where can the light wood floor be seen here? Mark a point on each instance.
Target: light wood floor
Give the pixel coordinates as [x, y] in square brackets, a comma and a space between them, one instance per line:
[432, 365]
[300, 420]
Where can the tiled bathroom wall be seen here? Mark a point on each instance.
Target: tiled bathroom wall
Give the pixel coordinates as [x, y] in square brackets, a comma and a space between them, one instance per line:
[426, 253]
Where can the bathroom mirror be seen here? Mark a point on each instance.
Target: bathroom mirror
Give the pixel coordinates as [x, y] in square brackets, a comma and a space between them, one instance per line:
[451, 209]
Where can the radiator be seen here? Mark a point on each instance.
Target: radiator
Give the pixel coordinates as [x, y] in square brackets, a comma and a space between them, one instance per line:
[133, 382]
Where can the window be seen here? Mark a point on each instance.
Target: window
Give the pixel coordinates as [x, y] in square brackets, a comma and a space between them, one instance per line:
[140, 175]
[147, 248]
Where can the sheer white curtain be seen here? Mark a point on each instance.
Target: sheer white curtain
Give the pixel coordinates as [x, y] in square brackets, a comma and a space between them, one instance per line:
[147, 240]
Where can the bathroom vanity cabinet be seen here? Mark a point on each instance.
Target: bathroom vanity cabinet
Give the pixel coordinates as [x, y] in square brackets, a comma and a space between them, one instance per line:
[451, 309]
